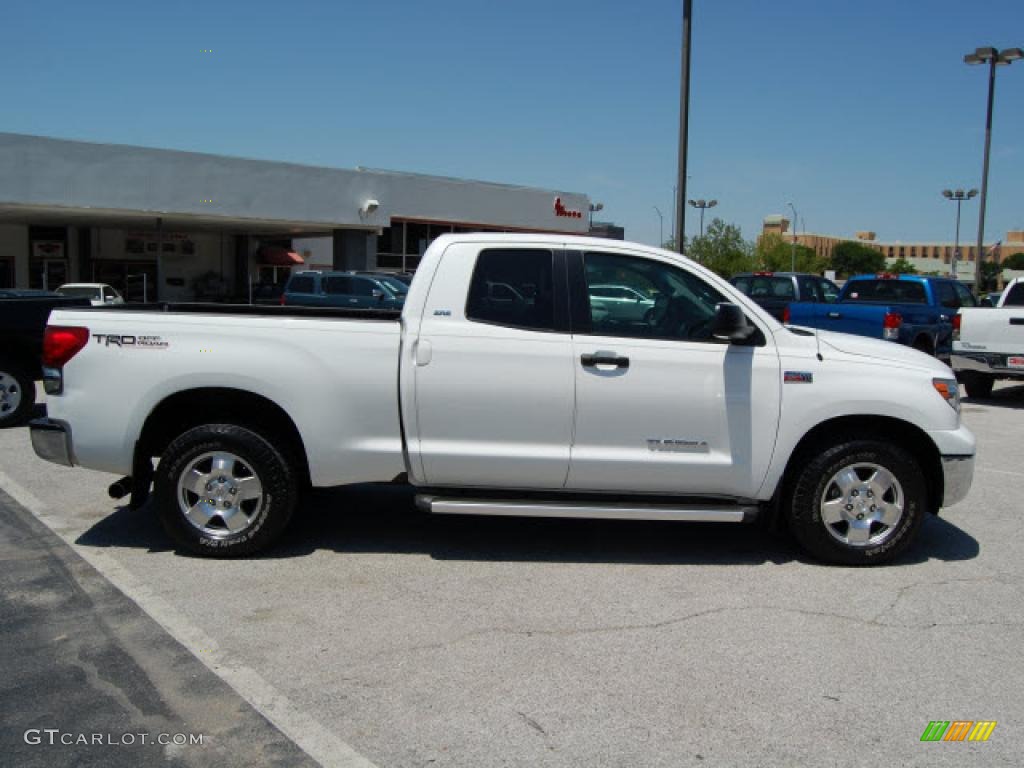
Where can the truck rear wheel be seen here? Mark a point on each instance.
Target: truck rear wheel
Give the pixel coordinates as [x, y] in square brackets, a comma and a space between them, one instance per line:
[17, 394]
[977, 384]
[224, 491]
[858, 503]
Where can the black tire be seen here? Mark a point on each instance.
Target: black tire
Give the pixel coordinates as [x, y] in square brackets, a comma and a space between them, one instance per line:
[814, 478]
[977, 384]
[275, 474]
[15, 384]
[924, 344]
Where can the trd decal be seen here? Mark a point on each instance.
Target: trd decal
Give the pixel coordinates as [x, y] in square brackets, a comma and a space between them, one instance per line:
[130, 342]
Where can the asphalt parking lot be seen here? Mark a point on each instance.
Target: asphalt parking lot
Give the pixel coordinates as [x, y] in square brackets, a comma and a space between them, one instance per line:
[378, 635]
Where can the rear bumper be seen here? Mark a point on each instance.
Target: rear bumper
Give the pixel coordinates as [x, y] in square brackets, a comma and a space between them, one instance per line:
[958, 474]
[51, 440]
[985, 362]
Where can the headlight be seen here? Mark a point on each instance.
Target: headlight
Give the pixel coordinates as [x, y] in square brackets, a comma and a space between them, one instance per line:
[950, 392]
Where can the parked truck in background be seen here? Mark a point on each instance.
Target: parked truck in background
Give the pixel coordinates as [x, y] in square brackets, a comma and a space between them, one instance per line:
[503, 387]
[913, 310]
[23, 316]
[775, 291]
[990, 342]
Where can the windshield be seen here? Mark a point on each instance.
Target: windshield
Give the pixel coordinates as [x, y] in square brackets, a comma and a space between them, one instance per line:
[765, 287]
[79, 291]
[396, 285]
[886, 291]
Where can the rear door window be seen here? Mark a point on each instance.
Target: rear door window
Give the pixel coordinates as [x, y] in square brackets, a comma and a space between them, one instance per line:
[966, 297]
[339, 285]
[301, 285]
[809, 289]
[513, 287]
[947, 295]
[829, 290]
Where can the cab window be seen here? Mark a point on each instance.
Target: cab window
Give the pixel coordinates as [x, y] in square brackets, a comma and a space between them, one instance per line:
[513, 287]
[670, 303]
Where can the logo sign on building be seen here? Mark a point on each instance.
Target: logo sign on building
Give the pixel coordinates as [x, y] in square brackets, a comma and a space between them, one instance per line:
[47, 249]
[561, 210]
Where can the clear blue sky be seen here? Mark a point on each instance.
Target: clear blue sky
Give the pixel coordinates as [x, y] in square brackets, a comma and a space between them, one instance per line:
[858, 112]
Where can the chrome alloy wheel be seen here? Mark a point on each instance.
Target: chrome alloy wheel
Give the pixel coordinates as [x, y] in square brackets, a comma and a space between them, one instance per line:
[862, 505]
[10, 394]
[220, 494]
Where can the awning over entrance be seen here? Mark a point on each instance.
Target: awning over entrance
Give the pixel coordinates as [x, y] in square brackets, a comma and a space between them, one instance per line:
[275, 256]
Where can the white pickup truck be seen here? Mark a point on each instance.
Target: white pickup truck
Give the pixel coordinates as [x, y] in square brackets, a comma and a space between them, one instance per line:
[505, 387]
[989, 344]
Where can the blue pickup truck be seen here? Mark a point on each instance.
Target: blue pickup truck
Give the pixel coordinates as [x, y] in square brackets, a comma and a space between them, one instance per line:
[909, 309]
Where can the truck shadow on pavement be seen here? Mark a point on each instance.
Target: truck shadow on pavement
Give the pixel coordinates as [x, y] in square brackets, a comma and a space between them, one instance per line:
[1003, 397]
[383, 519]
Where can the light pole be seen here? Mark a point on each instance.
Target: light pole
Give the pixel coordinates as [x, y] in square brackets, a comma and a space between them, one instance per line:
[661, 228]
[684, 118]
[958, 197]
[993, 57]
[703, 205]
[593, 208]
[792, 250]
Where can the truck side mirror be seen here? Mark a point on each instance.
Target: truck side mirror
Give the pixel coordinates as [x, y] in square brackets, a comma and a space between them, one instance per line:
[378, 294]
[730, 324]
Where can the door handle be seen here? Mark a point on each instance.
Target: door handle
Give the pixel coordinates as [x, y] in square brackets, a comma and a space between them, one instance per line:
[835, 315]
[603, 358]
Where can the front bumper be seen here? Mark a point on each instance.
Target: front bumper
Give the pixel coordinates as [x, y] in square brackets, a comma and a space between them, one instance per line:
[51, 440]
[958, 474]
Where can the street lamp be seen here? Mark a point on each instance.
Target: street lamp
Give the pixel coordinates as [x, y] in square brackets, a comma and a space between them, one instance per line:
[595, 207]
[993, 57]
[957, 196]
[792, 250]
[661, 228]
[703, 205]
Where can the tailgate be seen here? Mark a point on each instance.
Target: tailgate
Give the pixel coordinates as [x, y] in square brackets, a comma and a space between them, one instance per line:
[859, 319]
[998, 331]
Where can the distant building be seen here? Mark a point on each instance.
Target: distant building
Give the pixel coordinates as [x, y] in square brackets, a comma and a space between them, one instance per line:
[607, 229]
[925, 256]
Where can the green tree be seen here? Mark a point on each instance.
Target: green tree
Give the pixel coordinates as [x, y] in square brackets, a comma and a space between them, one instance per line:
[722, 249]
[902, 267]
[990, 272]
[774, 254]
[1014, 261]
[850, 258]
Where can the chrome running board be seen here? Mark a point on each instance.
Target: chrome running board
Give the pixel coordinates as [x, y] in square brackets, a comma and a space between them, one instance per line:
[694, 513]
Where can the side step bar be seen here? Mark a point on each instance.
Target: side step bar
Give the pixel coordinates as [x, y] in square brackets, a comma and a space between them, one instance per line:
[695, 513]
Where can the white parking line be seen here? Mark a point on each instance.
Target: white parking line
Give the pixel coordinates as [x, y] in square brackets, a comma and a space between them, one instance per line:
[310, 736]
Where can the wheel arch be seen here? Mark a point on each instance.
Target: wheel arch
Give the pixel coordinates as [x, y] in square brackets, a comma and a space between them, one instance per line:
[189, 408]
[886, 428]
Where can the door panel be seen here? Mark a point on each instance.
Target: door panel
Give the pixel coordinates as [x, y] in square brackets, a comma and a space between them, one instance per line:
[495, 394]
[673, 411]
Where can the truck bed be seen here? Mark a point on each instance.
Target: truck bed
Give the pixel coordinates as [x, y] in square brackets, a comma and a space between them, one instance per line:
[254, 310]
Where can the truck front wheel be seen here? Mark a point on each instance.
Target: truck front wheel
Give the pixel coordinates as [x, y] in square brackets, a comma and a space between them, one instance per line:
[977, 384]
[858, 503]
[223, 490]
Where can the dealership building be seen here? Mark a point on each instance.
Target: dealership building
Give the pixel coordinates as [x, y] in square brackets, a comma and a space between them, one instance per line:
[176, 226]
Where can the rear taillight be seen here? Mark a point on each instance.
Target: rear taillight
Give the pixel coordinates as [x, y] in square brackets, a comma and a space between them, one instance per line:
[61, 343]
[785, 316]
[891, 326]
[957, 319]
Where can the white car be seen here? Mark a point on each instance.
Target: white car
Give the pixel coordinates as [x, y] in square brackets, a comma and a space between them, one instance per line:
[99, 294]
[989, 343]
[711, 411]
